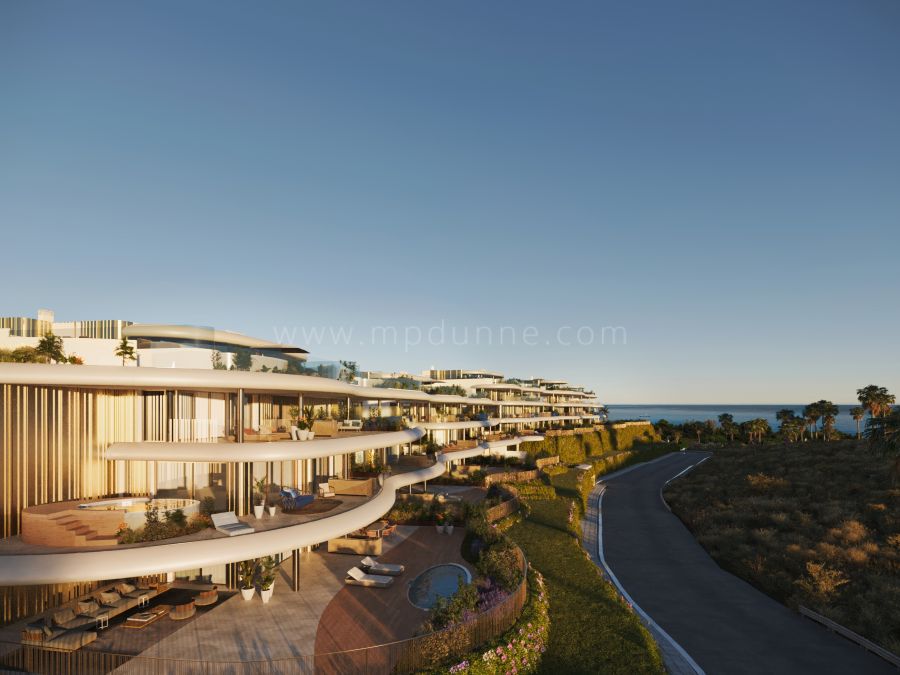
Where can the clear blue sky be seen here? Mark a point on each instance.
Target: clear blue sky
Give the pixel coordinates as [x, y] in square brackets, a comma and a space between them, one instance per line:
[721, 179]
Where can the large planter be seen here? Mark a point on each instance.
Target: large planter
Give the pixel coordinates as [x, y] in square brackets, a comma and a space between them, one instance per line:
[266, 595]
[272, 510]
[258, 510]
[448, 529]
[439, 529]
[247, 593]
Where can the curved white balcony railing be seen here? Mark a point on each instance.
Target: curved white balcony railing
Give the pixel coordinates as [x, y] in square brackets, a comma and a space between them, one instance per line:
[494, 421]
[55, 567]
[276, 451]
[448, 426]
[116, 377]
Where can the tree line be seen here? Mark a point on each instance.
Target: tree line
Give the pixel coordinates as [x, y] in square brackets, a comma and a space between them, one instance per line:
[816, 421]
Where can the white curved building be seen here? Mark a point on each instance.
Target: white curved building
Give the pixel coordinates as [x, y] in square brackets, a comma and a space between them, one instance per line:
[72, 435]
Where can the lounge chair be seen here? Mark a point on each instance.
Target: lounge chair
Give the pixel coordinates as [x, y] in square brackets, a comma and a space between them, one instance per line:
[182, 612]
[293, 500]
[57, 639]
[356, 577]
[325, 490]
[372, 566]
[229, 524]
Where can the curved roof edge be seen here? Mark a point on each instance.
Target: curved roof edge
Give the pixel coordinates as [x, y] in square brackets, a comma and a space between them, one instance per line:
[116, 377]
[206, 334]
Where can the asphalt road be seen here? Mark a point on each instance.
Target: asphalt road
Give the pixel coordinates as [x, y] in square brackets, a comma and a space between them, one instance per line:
[726, 625]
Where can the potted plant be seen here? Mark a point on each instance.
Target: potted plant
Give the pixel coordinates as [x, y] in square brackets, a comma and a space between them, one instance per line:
[267, 570]
[439, 522]
[272, 507]
[448, 525]
[259, 496]
[245, 581]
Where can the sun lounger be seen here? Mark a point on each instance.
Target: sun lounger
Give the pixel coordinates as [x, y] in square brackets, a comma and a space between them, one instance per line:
[372, 566]
[356, 577]
[229, 524]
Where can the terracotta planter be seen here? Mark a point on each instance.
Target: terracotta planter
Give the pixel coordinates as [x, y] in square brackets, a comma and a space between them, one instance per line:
[247, 593]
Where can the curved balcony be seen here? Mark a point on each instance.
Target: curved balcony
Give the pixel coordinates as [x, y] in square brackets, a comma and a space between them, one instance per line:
[449, 426]
[51, 565]
[276, 451]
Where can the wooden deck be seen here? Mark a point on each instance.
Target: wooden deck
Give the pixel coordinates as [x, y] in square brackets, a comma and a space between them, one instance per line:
[361, 617]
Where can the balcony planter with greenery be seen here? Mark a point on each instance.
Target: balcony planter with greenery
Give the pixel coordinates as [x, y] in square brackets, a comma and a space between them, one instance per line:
[267, 570]
[259, 496]
[246, 571]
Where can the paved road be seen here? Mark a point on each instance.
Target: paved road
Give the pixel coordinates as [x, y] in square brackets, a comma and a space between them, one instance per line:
[726, 625]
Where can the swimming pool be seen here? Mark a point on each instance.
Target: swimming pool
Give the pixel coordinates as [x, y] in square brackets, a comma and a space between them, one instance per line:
[436, 582]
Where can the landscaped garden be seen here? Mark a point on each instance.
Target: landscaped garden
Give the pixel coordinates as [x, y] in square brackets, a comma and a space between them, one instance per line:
[812, 524]
[591, 629]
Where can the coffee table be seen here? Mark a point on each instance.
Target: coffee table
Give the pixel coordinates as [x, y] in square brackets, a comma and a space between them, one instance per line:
[145, 618]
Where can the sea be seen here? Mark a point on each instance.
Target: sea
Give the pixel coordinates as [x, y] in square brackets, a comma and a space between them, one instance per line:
[677, 414]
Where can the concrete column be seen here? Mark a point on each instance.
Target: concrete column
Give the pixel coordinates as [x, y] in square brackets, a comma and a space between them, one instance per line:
[295, 569]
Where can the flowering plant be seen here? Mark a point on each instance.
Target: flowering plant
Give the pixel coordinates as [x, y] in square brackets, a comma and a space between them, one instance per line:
[519, 649]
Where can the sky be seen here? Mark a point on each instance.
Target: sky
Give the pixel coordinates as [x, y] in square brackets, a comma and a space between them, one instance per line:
[667, 202]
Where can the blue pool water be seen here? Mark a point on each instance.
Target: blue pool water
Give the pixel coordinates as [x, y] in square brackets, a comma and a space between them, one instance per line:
[437, 582]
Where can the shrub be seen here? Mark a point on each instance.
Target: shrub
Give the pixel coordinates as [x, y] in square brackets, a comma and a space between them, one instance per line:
[502, 564]
[458, 607]
[176, 517]
[207, 506]
[822, 582]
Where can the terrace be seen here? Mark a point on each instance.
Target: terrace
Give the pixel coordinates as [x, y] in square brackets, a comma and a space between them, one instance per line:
[326, 627]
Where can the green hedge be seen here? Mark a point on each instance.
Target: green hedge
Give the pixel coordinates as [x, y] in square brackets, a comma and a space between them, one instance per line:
[574, 449]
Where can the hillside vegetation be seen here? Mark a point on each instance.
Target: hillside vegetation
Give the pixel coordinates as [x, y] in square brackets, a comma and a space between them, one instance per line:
[576, 448]
[813, 524]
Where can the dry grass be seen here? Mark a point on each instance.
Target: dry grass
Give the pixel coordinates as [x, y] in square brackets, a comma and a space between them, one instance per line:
[812, 524]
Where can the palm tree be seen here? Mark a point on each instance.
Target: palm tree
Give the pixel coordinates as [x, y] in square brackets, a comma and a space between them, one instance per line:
[883, 434]
[51, 347]
[877, 400]
[125, 351]
[811, 414]
[858, 413]
[785, 415]
[829, 412]
[726, 421]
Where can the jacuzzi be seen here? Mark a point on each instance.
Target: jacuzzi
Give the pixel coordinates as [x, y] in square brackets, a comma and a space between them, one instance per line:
[133, 509]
